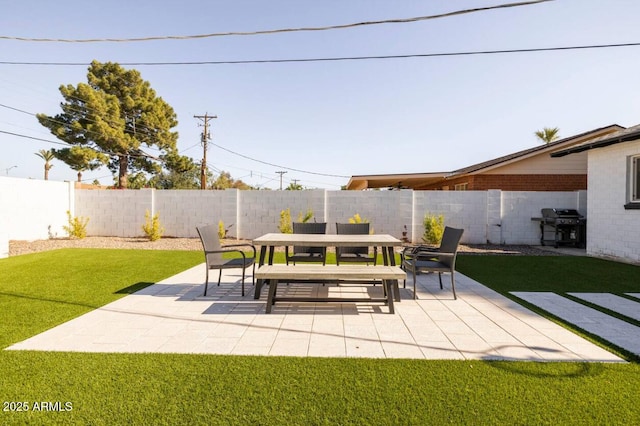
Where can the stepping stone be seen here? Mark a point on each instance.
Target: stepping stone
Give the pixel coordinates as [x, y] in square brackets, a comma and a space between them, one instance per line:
[614, 303]
[614, 330]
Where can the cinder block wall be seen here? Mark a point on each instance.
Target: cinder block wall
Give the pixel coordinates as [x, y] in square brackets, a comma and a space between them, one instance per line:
[518, 207]
[180, 212]
[386, 211]
[259, 211]
[461, 209]
[117, 213]
[32, 209]
[612, 230]
[29, 207]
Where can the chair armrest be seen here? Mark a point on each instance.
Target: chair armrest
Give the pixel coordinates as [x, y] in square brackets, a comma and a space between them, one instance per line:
[416, 249]
[240, 245]
[430, 255]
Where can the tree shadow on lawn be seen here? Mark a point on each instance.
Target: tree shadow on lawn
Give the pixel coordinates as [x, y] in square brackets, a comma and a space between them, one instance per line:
[126, 290]
[134, 288]
[550, 369]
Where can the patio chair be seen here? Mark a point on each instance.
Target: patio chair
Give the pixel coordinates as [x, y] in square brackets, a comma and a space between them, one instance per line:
[354, 254]
[213, 255]
[307, 254]
[442, 259]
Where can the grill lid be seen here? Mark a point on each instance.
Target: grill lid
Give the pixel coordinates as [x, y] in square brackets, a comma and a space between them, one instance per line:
[566, 213]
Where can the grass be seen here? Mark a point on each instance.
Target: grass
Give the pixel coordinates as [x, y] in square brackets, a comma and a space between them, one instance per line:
[557, 274]
[560, 274]
[211, 389]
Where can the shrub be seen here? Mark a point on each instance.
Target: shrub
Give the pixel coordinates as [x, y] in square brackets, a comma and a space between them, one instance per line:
[77, 227]
[306, 217]
[357, 219]
[152, 227]
[285, 222]
[222, 231]
[433, 228]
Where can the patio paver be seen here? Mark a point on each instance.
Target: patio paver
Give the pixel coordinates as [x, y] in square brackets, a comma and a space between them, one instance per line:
[173, 316]
[621, 305]
[614, 330]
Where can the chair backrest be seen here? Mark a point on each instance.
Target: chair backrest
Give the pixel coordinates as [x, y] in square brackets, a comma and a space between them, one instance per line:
[449, 244]
[353, 229]
[210, 242]
[309, 228]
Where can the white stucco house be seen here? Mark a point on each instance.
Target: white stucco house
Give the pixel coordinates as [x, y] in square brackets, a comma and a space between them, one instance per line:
[613, 194]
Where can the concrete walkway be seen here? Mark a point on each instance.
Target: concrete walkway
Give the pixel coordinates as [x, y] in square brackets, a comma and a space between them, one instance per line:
[173, 317]
[621, 333]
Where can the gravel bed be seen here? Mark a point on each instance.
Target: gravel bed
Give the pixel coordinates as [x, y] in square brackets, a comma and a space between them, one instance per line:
[18, 247]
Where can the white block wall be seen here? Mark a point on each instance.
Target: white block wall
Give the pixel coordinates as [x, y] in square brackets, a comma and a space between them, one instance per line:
[118, 213]
[612, 230]
[259, 211]
[461, 209]
[30, 206]
[32, 209]
[180, 212]
[387, 211]
[518, 207]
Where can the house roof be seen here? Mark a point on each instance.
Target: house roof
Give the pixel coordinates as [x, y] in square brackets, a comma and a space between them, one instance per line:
[412, 180]
[552, 146]
[401, 180]
[624, 135]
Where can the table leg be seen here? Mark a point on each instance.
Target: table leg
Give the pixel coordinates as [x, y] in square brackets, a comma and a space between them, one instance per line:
[259, 283]
[390, 260]
[263, 255]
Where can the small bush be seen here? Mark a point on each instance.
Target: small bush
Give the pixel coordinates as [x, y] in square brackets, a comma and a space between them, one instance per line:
[285, 222]
[433, 228]
[152, 227]
[306, 217]
[77, 227]
[357, 219]
[222, 231]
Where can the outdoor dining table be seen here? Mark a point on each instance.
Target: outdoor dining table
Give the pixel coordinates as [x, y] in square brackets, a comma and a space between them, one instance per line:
[268, 242]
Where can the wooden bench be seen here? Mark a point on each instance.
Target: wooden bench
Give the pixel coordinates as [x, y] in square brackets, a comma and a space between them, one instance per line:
[318, 274]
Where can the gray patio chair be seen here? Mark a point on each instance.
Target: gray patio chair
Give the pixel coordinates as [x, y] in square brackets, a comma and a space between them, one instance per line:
[354, 254]
[307, 254]
[443, 259]
[213, 255]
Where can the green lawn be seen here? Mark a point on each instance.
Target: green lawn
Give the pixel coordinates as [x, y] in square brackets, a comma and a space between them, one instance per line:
[39, 291]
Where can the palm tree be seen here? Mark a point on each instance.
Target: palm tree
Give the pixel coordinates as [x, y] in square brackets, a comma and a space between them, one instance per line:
[548, 134]
[47, 156]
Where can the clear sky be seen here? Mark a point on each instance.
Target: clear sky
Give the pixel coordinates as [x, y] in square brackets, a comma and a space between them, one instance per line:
[339, 118]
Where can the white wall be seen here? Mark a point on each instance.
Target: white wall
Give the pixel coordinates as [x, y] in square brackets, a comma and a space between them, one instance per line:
[29, 207]
[32, 209]
[612, 230]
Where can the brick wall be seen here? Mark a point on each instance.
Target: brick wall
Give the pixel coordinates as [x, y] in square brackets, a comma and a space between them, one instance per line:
[542, 182]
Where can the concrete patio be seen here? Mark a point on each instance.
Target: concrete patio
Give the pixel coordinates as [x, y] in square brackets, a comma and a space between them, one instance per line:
[172, 316]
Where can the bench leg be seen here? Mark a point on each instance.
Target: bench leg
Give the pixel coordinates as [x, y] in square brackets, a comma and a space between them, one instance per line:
[389, 284]
[273, 285]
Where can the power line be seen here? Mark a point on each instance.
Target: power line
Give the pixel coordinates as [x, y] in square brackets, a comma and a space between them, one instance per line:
[140, 154]
[276, 31]
[345, 58]
[278, 166]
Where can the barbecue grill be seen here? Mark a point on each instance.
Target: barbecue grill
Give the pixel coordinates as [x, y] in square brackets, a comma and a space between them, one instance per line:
[568, 227]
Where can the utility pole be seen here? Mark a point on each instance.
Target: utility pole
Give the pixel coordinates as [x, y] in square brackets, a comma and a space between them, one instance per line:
[205, 137]
[281, 173]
